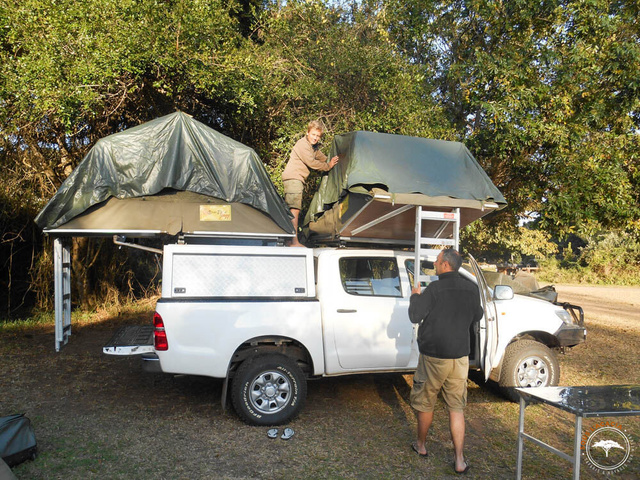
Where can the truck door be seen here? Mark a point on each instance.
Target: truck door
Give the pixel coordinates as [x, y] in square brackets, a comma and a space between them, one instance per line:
[371, 329]
[488, 324]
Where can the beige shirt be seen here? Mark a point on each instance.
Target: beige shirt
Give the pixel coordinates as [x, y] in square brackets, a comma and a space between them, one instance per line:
[303, 158]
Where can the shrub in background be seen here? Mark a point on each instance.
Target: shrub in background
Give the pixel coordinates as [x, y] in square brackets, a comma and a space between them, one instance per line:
[607, 258]
[614, 256]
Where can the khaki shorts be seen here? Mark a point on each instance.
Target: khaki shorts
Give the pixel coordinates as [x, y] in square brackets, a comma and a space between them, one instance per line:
[293, 193]
[433, 375]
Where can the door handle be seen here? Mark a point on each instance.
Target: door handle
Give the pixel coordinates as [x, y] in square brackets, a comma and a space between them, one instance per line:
[347, 310]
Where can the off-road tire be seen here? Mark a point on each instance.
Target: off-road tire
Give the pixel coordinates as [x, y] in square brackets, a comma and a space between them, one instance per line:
[268, 390]
[527, 363]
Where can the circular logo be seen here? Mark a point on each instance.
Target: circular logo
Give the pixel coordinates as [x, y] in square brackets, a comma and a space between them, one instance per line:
[607, 447]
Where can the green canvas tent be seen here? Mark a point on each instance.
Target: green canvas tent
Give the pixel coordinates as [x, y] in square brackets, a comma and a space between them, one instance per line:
[168, 176]
[372, 192]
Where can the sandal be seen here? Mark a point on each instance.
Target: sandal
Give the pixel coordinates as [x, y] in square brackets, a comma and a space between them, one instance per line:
[288, 433]
[414, 447]
[462, 472]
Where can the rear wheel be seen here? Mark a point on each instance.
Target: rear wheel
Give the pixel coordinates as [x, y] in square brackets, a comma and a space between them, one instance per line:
[268, 390]
[528, 363]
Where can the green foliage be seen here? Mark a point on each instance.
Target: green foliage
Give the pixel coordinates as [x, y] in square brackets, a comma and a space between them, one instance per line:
[321, 62]
[40, 319]
[612, 254]
[545, 94]
[73, 72]
[506, 242]
[609, 258]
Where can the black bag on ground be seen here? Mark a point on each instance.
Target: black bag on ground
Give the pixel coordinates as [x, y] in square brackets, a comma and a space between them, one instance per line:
[17, 439]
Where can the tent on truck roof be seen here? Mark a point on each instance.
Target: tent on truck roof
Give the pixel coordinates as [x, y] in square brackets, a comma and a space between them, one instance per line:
[371, 194]
[168, 176]
[172, 176]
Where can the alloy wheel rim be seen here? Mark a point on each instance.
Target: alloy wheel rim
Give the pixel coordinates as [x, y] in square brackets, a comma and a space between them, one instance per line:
[270, 392]
[533, 372]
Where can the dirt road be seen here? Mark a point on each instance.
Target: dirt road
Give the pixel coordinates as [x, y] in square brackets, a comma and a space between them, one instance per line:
[617, 305]
[612, 318]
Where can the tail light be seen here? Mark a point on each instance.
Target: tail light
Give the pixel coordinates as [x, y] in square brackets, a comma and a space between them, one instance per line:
[159, 335]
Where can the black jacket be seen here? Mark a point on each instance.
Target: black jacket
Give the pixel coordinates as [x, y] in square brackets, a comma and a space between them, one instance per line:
[446, 308]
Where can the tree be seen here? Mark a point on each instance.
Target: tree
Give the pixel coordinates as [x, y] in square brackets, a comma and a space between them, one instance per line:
[545, 94]
[73, 72]
[320, 61]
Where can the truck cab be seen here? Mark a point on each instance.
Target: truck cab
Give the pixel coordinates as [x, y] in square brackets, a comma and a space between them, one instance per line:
[366, 323]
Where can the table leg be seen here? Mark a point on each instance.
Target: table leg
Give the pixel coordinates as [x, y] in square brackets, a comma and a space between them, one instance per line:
[523, 405]
[576, 448]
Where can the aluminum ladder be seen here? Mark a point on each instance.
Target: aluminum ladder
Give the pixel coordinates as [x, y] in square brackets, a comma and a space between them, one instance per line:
[62, 275]
[430, 253]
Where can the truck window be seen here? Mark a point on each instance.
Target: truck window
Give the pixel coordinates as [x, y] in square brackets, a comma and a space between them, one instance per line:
[426, 267]
[370, 276]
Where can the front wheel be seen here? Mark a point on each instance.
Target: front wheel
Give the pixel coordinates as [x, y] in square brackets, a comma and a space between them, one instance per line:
[268, 390]
[528, 363]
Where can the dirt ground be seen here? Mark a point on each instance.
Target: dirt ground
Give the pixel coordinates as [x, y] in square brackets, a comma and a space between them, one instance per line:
[99, 416]
[615, 305]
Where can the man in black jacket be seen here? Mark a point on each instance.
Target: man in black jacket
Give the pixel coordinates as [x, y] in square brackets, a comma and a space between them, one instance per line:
[445, 310]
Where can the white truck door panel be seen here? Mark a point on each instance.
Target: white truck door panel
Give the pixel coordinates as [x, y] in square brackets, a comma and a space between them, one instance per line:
[372, 333]
[488, 324]
[367, 315]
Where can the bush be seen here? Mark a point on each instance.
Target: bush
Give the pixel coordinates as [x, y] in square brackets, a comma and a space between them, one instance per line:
[608, 258]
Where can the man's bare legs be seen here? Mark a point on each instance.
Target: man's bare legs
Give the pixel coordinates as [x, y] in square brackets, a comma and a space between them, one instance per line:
[295, 242]
[424, 423]
[456, 426]
[457, 429]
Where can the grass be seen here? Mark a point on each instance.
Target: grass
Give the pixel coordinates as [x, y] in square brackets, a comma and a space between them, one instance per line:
[614, 272]
[576, 274]
[80, 317]
[98, 416]
[24, 324]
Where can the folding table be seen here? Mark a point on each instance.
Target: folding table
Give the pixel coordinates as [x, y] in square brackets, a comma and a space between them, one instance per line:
[583, 402]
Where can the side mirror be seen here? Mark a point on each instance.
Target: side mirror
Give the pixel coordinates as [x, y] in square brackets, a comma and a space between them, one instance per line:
[503, 292]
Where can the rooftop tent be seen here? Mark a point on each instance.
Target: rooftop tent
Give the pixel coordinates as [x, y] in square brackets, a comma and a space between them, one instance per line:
[372, 192]
[171, 212]
[165, 176]
[171, 176]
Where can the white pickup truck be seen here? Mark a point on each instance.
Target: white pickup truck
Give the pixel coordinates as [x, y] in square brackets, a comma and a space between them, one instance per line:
[266, 319]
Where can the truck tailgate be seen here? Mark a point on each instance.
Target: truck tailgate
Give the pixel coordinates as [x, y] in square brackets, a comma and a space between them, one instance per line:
[131, 340]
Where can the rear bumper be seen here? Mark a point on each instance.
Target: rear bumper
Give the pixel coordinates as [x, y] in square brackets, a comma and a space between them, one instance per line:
[151, 363]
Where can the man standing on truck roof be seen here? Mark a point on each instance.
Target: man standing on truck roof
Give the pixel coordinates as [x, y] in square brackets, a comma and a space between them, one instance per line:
[445, 310]
[305, 155]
